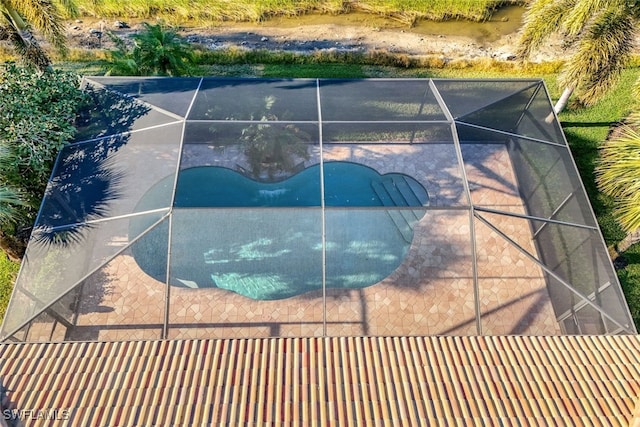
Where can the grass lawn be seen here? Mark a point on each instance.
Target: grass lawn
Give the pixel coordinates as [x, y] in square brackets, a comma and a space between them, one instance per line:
[630, 281]
[8, 271]
[326, 71]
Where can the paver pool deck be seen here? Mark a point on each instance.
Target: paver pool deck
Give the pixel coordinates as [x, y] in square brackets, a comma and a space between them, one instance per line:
[431, 293]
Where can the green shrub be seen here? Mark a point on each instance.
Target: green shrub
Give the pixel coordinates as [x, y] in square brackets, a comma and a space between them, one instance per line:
[36, 121]
[157, 51]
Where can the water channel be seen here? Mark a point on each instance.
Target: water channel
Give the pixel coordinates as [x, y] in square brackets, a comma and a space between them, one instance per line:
[506, 20]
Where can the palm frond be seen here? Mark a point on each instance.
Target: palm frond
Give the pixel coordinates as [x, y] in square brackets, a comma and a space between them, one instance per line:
[602, 52]
[627, 212]
[123, 67]
[618, 174]
[620, 157]
[28, 49]
[636, 90]
[5, 32]
[161, 51]
[44, 16]
[68, 7]
[9, 201]
[543, 19]
[583, 12]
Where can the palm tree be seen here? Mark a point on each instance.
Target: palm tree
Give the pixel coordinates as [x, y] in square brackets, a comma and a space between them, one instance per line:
[10, 212]
[21, 16]
[157, 51]
[618, 175]
[600, 33]
[9, 199]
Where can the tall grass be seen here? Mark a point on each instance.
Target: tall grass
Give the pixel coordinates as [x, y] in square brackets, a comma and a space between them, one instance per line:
[436, 10]
[177, 11]
[379, 58]
[205, 10]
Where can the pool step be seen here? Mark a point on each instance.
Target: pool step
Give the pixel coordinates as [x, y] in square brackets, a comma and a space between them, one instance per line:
[404, 219]
[411, 191]
[382, 194]
[406, 231]
[398, 200]
[394, 194]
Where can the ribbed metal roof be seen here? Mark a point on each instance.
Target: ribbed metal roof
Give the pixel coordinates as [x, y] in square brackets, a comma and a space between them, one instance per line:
[520, 380]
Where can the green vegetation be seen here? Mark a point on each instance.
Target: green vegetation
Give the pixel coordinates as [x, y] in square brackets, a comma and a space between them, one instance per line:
[618, 176]
[204, 11]
[38, 114]
[601, 31]
[630, 280]
[18, 18]
[8, 271]
[618, 169]
[618, 173]
[158, 51]
[353, 64]
[586, 129]
[326, 71]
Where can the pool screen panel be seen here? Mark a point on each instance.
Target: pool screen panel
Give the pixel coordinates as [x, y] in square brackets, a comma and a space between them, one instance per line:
[378, 100]
[119, 114]
[261, 152]
[256, 100]
[538, 120]
[58, 259]
[111, 177]
[172, 95]
[259, 253]
[504, 115]
[548, 182]
[260, 266]
[387, 133]
[315, 207]
[463, 97]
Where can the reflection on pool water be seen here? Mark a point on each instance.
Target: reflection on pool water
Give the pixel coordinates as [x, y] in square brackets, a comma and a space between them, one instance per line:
[272, 248]
[345, 184]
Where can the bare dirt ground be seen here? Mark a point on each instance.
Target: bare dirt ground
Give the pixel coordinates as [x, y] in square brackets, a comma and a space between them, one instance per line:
[324, 37]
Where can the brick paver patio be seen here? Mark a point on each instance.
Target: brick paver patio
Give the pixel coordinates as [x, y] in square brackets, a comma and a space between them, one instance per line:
[430, 293]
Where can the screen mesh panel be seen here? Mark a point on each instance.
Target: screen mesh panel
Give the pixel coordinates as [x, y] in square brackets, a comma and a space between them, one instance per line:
[233, 208]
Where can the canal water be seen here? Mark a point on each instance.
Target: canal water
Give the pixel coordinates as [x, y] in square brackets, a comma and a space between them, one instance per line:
[506, 20]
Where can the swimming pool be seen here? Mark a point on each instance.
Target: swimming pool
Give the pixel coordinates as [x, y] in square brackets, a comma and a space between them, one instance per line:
[266, 241]
[345, 184]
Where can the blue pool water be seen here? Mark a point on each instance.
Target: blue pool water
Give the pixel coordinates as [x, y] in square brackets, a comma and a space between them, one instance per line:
[265, 253]
[345, 184]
